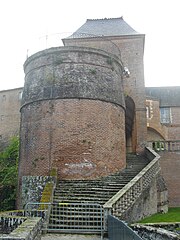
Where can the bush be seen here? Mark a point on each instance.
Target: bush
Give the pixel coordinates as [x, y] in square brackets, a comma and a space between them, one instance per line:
[8, 175]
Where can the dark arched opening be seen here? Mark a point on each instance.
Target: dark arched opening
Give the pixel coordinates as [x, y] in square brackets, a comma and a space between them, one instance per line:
[129, 122]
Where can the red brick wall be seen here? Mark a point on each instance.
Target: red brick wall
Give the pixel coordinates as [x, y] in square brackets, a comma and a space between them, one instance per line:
[10, 101]
[170, 166]
[156, 130]
[82, 138]
[131, 51]
[174, 127]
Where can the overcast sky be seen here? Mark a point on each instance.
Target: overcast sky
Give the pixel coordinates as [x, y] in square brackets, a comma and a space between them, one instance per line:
[25, 23]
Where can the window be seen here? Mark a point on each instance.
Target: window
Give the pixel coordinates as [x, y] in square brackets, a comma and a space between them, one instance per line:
[148, 112]
[165, 115]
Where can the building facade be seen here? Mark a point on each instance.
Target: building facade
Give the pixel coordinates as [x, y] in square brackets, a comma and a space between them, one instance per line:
[81, 109]
[85, 105]
[163, 124]
[10, 102]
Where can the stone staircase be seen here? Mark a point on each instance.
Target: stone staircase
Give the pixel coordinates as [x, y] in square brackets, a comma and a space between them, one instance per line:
[78, 204]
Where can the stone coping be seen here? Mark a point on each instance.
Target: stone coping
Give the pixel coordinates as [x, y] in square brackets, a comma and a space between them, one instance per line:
[28, 230]
[156, 231]
[109, 204]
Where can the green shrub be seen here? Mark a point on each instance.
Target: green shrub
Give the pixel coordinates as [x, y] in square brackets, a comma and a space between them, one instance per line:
[8, 175]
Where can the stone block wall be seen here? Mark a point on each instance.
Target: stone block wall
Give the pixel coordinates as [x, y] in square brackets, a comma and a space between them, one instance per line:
[153, 232]
[31, 188]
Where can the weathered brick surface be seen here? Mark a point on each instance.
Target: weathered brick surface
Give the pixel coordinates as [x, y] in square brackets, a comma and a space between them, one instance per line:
[73, 72]
[131, 51]
[174, 127]
[73, 115]
[82, 138]
[156, 130]
[10, 101]
[170, 165]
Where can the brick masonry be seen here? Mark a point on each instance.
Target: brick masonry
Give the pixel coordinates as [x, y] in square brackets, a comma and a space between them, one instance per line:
[158, 131]
[170, 165]
[73, 115]
[131, 50]
[10, 102]
[174, 127]
[82, 138]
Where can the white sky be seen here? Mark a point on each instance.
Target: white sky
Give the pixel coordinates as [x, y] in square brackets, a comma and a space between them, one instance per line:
[23, 23]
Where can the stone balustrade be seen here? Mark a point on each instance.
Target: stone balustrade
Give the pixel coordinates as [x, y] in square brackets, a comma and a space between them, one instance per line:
[28, 230]
[170, 146]
[8, 223]
[121, 201]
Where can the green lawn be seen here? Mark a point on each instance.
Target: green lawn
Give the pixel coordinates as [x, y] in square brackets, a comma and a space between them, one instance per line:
[173, 215]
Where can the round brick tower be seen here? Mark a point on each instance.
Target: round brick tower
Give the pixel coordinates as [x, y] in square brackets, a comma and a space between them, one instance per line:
[72, 114]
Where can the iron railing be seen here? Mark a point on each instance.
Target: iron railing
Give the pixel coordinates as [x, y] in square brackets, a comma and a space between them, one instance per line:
[76, 218]
[68, 217]
[118, 229]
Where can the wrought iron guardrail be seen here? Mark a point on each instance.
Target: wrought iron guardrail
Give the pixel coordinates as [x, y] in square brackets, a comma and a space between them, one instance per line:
[122, 200]
[170, 146]
[118, 229]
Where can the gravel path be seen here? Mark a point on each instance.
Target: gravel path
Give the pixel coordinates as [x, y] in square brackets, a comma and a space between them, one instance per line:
[71, 237]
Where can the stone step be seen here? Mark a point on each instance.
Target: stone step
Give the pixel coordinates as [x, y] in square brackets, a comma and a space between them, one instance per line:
[89, 191]
[56, 218]
[98, 191]
[58, 226]
[95, 199]
[119, 184]
[84, 196]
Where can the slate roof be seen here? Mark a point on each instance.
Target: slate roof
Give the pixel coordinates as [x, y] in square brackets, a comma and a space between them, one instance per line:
[104, 27]
[168, 96]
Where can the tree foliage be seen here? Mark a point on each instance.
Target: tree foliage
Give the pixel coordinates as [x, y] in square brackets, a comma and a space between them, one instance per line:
[8, 175]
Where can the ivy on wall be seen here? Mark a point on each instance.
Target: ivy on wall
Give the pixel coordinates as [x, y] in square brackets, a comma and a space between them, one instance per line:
[8, 175]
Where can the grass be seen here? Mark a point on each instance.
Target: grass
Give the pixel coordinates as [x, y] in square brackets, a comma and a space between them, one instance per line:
[173, 215]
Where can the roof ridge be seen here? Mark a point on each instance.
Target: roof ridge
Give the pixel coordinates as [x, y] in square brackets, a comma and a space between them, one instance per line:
[100, 19]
